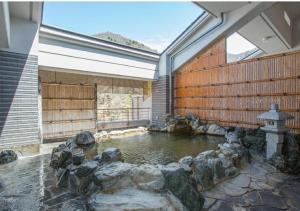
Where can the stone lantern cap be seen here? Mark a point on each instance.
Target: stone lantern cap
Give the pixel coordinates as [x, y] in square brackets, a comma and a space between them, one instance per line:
[275, 114]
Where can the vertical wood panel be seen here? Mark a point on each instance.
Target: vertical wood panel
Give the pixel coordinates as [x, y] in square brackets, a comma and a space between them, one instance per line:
[234, 94]
[68, 109]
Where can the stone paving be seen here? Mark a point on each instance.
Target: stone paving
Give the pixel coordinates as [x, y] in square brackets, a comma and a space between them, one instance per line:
[259, 187]
[29, 184]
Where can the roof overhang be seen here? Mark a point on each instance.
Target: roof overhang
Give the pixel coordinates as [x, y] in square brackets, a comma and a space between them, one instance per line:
[84, 40]
[31, 11]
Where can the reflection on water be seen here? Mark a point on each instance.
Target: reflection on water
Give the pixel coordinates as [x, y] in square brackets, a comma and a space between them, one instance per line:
[158, 148]
[29, 184]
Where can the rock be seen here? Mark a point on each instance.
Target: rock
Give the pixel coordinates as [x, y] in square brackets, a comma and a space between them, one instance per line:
[218, 169]
[170, 128]
[254, 140]
[182, 186]
[186, 163]
[116, 133]
[215, 129]
[236, 160]
[226, 161]
[7, 156]
[192, 121]
[164, 129]
[97, 158]
[111, 155]
[60, 159]
[73, 182]
[194, 124]
[187, 160]
[129, 199]
[191, 117]
[203, 174]
[226, 149]
[74, 204]
[147, 177]
[62, 177]
[232, 137]
[102, 135]
[71, 144]
[80, 185]
[154, 128]
[231, 172]
[207, 154]
[179, 118]
[201, 130]
[84, 138]
[77, 156]
[113, 176]
[86, 168]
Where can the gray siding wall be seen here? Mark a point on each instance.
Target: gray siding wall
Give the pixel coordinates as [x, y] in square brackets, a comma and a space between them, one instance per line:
[160, 100]
[18, 99]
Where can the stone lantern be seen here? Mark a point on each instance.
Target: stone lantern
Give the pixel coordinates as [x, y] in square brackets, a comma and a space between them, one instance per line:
[275, 129]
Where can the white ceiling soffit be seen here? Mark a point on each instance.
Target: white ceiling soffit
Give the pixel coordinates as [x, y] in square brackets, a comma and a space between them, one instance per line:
[293, 9]
[31, 11]
[216, 8]
[260, 34]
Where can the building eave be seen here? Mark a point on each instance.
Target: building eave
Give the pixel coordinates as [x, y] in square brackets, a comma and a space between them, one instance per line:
[85, 40]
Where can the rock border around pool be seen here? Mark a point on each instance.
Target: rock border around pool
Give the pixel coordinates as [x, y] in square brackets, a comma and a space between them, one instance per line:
[176, 186]
[7, 156]
[105, 135]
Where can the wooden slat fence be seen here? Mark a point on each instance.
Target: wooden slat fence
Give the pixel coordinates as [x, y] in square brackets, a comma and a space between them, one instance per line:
[67, 109]
[234, 94]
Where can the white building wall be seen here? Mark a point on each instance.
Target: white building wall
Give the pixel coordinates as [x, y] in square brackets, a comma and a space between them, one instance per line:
[62, 55]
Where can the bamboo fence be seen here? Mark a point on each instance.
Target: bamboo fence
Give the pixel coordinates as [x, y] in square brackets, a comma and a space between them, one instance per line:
[234, 94]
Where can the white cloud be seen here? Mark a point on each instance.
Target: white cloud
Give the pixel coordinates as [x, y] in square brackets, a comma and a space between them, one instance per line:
[236, 44]
[158, 43]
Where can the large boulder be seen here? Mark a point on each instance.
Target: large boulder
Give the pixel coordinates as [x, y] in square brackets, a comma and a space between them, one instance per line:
[86, 168]
[179, 183]
[129, 199]
[203, 173]
[147, 177]
[111, 155]
[77, 156]
[61, 157]
[85, 138]
[7, 156]
[62, 177]
[208, 169]
[201, 130]
[215, 129]
[113, 176]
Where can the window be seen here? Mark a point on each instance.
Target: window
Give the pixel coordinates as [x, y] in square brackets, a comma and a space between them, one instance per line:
[238, 48]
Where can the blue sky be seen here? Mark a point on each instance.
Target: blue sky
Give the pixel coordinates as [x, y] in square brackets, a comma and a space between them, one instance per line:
[155, 24]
